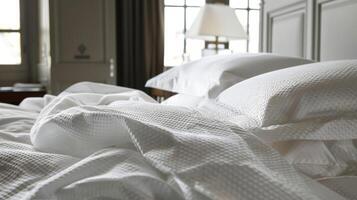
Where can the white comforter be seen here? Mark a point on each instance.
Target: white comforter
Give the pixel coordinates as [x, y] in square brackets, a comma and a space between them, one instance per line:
[96, 141]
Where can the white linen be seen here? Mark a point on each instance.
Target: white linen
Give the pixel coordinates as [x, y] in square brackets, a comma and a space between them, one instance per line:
[36, 104]
[211, 75]
[180, 153]
[321, 158]
[91, 93]
[315, 158]
[183, 100]
[97, 88]
[15, 123]
[21, 167]
[308, 102]
[344, 185]
[182, 144]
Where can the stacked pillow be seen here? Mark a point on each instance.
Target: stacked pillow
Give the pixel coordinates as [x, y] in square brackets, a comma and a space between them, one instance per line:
[315, 102]
[209, 76]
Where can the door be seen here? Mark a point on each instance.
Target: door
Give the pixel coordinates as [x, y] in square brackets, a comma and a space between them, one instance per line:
[83, 42]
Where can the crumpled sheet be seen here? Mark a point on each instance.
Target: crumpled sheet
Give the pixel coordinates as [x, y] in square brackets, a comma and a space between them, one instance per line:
[132, 148]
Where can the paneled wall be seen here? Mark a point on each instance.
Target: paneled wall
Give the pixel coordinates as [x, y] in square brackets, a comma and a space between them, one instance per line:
[287, 31]
[315, 29]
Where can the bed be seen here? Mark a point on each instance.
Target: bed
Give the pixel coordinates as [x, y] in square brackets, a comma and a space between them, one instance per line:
[244, 126]
[97, 141]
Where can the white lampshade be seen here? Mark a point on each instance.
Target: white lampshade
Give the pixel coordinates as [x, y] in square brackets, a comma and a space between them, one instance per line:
[216, 20]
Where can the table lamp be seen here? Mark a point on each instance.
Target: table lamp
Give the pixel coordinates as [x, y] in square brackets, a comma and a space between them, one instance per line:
[216, 24]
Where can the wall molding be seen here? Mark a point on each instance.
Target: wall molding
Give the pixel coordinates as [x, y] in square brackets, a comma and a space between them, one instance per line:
[287, 12]
[328, 28]
[319, 7]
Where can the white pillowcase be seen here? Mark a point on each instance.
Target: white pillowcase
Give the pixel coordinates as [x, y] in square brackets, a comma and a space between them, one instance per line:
[314, 106]
[312, 101]
[211, 75]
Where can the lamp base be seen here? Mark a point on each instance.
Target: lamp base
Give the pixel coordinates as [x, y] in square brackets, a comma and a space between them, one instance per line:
[216, 44]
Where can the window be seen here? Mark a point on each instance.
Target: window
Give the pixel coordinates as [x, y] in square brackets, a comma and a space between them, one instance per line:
[179, 16]
[248, 15]
[10, 33]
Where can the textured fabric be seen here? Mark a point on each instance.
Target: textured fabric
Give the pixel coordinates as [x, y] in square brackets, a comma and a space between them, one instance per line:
[15, 123]
[36, 104]
[315, 158]
[97, 88]
[21, 167]
[345, 185]
[180, 153]
[211, 75]
[321, 158]
[314, 106]
[305, 102]
[184, 145]
[183, 100]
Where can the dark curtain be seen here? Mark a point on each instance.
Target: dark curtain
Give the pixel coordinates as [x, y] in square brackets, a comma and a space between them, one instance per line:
[140, 36]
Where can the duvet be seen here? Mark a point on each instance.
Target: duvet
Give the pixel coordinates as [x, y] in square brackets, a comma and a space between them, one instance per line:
[104, 142]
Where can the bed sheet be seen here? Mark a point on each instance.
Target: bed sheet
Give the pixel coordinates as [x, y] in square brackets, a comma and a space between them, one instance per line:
[179, 153]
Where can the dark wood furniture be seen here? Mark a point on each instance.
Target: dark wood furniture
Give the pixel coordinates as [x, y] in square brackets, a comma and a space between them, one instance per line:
[15, 97]
[161, 95]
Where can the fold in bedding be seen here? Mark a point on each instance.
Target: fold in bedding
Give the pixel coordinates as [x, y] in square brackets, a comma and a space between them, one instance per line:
[196, 156]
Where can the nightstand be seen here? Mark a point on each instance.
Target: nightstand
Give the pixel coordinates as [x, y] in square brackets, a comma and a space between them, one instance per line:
[161, 95]
[15, 97]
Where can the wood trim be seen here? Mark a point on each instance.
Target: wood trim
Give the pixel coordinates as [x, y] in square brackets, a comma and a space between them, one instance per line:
[16, 97]
[160, 95]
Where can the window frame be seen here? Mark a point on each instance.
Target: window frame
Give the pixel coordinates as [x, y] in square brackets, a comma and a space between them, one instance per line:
[248, 9]
[16, 72]
[184, 6]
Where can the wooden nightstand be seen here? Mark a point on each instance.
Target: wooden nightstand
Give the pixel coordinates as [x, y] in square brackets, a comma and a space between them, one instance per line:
[15, 97]
[161, 95]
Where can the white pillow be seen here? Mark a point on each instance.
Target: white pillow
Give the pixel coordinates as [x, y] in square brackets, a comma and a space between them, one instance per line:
[316, 101]
[308, 113]
[211, 75]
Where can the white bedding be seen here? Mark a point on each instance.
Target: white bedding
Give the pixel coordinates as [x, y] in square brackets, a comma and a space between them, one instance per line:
[134, 148]
[307, 111]
[183, 100]
[209, 76]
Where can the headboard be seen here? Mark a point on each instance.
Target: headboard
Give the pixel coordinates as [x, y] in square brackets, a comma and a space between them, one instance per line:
[316, 29]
